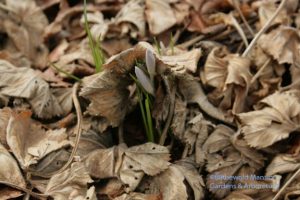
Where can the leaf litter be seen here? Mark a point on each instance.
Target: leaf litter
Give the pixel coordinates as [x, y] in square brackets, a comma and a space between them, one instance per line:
[149, 100]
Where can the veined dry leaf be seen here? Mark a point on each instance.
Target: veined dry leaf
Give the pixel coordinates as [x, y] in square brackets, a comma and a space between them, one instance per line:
[283, 163]
[185, 59]
[10, 171]
[29, 142]
[282, 44]
[129, 164]
[133, 12]
[64, 98]
[230, 75]
[25, 83]
[70, 184]
[25, 24]
[275, 117]
[108, 95]
[159, 15]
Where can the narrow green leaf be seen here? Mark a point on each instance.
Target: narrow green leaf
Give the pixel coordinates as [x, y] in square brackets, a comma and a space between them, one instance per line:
[65, 72]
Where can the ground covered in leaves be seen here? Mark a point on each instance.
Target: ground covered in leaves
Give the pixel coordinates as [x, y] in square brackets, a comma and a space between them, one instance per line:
[149, 99]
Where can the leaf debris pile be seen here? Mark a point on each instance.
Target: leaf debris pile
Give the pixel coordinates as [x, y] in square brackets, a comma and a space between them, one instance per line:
[214, 82]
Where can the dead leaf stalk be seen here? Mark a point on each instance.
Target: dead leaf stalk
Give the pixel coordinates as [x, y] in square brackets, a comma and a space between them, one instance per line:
[264, 28]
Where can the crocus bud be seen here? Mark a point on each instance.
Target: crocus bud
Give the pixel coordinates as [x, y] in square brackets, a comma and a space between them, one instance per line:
[144, 80]
[150, 63]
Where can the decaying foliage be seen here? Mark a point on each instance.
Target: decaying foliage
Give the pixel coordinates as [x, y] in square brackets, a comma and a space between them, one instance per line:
[214, 82]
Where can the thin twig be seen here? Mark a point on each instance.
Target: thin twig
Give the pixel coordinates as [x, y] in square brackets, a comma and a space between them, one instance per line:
[259, 72]
[171, 112]
[239, 29]
[77, 139]
[297, 173]
[264, 28]
[237, 7]
[191, 42]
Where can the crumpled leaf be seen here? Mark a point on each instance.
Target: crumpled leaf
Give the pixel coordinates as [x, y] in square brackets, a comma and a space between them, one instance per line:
[71, 184]
[159, 15]
[188, 169]
[8, 193]
[133, 12]
[10, 171]
[230, 75]
[275, 117]
[226, 154]
[129, 164]
[29, 142]
[185, 59]
[283, 163]
[170, 184]
[25, 25]
[25, 83]
[282, 44]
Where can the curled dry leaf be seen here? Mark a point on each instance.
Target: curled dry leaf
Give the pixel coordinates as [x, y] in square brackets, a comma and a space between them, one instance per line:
[283, 163]
[275, 117]
[159, 15]
[29, 142]
[7, 193]
[24, 24]
[26, 83]
[230, 75]
[133, 12]
[282, 44]
[71, 184]
[10, 171]
[185, 59]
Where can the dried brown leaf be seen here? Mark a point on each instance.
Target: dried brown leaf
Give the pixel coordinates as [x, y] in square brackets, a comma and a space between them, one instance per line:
[71, 184]
[10, 171]
[29, 142]
[133, 12]
[159, 15]
[283, 163]
[274, 119]
[25, 24]
[282, 44]
[25, 83]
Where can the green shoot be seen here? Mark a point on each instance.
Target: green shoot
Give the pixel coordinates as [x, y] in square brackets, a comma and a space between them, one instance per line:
[157, 46]
[65, 72]
[94, 46]
[145, 109]
[172, 43]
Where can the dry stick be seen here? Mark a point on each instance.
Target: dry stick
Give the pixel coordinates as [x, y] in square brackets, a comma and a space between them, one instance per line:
[259, 72]
[297, 173]
[34, 194]
[239, 30]
[78, 135]
[264, 28]
[191, 42]
[171, 112]
[237, 7]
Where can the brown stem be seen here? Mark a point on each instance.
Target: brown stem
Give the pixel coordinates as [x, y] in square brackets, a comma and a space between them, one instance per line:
[264, 28]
